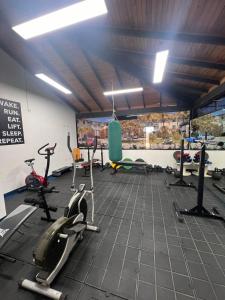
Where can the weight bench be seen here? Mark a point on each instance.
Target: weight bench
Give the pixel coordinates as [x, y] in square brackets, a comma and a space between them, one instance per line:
[11, 223]
[138, 164]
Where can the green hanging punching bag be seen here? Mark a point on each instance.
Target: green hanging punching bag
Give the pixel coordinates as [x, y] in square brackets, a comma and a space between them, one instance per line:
[115, 141]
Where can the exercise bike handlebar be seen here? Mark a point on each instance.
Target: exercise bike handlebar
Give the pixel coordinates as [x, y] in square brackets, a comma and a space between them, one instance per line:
[95, 143]
[47, 150]
[68, 142]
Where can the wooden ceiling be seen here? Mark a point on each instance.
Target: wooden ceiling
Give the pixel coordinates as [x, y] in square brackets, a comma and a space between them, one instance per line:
[119, 48]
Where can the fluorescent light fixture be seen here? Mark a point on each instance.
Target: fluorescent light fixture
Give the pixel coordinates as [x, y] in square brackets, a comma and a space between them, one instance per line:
[52, 82]
[69, 15]
[126, 91]
[160, 65]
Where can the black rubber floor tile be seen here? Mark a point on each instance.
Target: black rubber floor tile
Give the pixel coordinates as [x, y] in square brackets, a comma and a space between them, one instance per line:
[212, 238]
[184, 233]
[117, 196]
[171, 230]
[115, 264]
[100, 260]
[95, 277]
[130, 269]
[10, 277]
[191, 255]
[161, 247]
[215, 274]
[135, 241]
[208, 259]
[160, 237]
[173, 240]
[187, 243]
[12, 291]
[127, 288]
[197, 271]
[132, 254]
[162, 261]
[68, 287]
[164, 279]
[221, 260]
[80, 271]
[221, 238]
[175, 252]
[183, 297]
[122, 239]
[220, 291]
[197, 235]
[147, 274]
[146, 291]
[118, 251]
[147, 258]
[183, 284]
[110, 281]
[163, 294]
[178, 266]
[203, 246]
[217, 249]
[203, 290]
[88, 292]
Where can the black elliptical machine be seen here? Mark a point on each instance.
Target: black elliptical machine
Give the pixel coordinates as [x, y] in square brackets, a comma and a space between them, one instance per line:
[58, 241]
[42, 190]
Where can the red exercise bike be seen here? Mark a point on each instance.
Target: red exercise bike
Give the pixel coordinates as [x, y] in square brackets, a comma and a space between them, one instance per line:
[33, 180]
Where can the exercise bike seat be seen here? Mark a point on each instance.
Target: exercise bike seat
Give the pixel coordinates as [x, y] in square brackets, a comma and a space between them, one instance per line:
[29, 160]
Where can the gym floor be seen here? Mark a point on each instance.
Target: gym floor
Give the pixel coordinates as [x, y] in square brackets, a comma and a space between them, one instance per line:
[142, 251]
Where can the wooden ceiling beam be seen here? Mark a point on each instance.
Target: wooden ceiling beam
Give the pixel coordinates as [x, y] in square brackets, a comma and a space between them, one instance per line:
[214, 94]
[185, 89]
[192, 77]
[96, 73]
[174, 36]
[99, 49]
[66, 61]
[119, 77]
[59, 77]
[142, 94]
[135, 111]
[178, 94]
[176, 60]
[14, 39]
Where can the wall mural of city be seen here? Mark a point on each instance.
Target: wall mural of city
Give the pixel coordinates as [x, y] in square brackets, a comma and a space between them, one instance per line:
[214, 125]
[148, 131]
[155, 130]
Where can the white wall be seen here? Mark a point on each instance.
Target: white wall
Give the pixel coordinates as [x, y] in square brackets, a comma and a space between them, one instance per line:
[45, 120]
[163, 157]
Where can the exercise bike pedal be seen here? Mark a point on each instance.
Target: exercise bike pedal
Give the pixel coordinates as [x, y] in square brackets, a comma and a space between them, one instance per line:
[79, 227]
[31, 201]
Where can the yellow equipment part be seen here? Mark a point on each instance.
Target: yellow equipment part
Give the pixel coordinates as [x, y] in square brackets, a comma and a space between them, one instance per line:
[76, 154]
[114, 165]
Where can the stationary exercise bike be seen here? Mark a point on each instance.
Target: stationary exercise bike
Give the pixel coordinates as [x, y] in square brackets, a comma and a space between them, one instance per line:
[41, 186]
[56, 244]
[33, 180]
